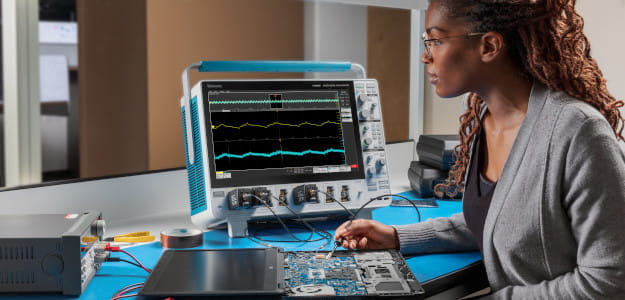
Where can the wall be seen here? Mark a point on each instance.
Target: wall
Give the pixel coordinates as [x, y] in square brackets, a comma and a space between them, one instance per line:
[440, 116]
[603, 26]
[132, 54]
[388, 60]
[335, 31]
[377, 38]
[113, 87]
[193, 30]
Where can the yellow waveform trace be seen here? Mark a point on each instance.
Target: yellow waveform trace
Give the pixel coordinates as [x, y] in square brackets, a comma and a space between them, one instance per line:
[275, 123]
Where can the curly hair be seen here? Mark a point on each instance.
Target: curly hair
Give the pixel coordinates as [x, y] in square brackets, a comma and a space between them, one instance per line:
[545, 39]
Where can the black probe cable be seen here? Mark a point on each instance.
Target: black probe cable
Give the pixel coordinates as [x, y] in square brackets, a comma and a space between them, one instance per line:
[120, 293]
[309, 239]
[339, 203]
[279, 219]
[117, 259]
[387, 195]
[324, 235]
[306, 224]
[299, 218]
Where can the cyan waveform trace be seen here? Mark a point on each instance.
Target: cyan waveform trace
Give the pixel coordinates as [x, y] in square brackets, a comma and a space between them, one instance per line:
[275, 123]
[264, 101]
[278, 152]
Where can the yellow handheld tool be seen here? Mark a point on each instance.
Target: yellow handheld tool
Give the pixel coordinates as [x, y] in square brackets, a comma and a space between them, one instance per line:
[134, 237]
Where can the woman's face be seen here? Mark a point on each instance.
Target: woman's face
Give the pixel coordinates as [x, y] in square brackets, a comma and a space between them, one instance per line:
[453, 61]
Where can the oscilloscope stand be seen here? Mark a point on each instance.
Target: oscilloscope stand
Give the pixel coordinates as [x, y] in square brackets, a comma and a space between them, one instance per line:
[357, 106]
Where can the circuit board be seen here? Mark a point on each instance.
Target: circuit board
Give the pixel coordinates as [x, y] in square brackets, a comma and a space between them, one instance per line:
[349, 273]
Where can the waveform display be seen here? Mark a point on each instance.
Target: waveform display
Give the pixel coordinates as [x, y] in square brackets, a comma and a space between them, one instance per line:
[279, 152]
[276, 139]
[275, 124]
[264, 101]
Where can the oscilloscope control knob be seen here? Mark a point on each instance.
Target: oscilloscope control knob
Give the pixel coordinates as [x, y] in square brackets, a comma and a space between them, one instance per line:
[372, 106]
[365, 107]
[371, 171]
[362, 99]
[379, 165]
[366, 142]
[364, 114]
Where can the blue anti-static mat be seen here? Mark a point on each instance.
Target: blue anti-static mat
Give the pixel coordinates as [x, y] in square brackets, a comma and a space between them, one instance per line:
[430, 266]
[115, 275]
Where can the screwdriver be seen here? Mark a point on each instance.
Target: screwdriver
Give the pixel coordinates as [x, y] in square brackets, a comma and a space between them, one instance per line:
[337, 243]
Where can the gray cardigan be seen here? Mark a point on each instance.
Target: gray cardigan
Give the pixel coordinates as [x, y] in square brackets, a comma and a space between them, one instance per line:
[556, 225]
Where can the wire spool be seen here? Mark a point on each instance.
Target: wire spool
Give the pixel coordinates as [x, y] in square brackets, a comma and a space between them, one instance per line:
[181, 238]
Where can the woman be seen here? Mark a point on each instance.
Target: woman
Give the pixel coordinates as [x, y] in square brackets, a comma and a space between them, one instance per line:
[539, 161]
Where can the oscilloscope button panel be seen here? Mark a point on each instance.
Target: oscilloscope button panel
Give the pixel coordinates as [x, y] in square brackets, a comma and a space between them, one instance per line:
[372, 135]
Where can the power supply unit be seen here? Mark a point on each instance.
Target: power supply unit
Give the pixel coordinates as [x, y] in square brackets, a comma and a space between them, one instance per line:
[49, 253]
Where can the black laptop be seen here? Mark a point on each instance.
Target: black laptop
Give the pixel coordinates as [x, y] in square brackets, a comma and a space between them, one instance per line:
[274, 272]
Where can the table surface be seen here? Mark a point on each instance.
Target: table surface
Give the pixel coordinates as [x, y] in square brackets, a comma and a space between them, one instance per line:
[113, 276]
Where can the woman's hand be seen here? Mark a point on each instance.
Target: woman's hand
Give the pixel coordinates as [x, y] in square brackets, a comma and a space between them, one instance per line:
[367, 234]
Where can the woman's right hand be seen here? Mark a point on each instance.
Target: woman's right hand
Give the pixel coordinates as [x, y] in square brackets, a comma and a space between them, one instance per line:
[367, 234]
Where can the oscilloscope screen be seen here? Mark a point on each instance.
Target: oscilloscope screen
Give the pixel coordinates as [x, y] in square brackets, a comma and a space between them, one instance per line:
[291, 128]
[277, 139]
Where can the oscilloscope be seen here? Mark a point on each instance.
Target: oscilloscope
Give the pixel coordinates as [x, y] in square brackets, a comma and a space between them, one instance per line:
[299, 142]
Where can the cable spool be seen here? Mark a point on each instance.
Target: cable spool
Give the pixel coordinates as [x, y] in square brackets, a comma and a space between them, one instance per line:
[181, 238]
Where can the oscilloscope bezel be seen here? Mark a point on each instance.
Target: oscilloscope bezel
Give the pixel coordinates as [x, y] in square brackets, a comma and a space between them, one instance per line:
[278, 175]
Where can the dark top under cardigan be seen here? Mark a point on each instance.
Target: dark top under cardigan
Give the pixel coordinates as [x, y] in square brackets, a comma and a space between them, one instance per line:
[478, 192]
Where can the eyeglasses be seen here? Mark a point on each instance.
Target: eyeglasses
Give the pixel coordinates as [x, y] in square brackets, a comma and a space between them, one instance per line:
[428, 43]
